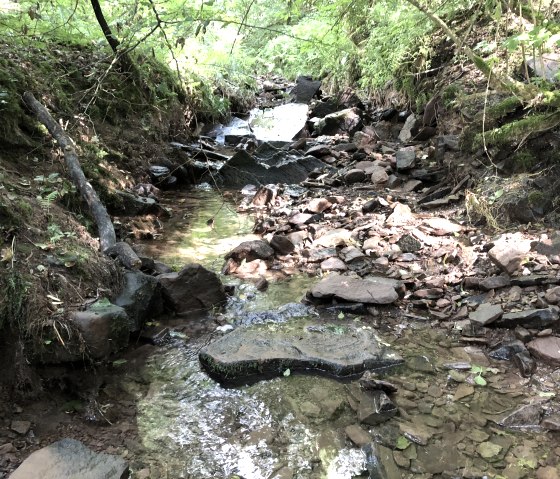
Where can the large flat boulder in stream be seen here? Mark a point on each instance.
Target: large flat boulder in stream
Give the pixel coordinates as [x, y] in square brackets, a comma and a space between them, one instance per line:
[250, 353]
[69, 459]
[267, 165]
[356, 290]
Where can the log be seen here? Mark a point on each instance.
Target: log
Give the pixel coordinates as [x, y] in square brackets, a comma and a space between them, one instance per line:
[107, 236]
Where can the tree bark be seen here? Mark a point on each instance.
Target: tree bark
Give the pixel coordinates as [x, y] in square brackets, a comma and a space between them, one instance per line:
[112, 40]
[107, 237]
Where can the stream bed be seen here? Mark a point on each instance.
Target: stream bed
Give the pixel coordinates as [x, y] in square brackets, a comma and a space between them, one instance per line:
[459, 413]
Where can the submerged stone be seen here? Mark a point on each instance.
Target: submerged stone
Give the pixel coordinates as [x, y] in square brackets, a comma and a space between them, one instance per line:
[69, 458]
[248, 354]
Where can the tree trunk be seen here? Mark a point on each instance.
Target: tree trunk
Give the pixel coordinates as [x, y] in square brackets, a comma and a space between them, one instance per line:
[114, 43]
[107, 237]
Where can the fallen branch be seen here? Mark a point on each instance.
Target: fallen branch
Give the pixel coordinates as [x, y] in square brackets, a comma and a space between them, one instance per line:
[107, 237]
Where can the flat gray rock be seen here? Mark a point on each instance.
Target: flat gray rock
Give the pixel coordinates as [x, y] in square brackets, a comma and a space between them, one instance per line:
[70, 459]
[486, 313]
[353, 289]
[260, 351]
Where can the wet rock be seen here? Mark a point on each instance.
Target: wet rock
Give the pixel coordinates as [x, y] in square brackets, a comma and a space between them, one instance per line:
[507, 350]
[249, 353]
[141, 298]
[69, 458]
[463, 391]
[486, 313]
[421, 363]
[418, 434]
[376, 407]
[438, 458]
[250, 251]
[409, 129]
[530, 318]
[406, 158]
[305, 89]
[347, 121]
[488, 450]
[193, 289]
[104, 327]
[357, 435]
[370, 382]
[279, 167]
[282, 245]
[333, 264]
[161, 176]
[353, 289]
[525, 416]
[354, 176]
[547, 349]
[509, 251]
[134, 205]
[494, 282]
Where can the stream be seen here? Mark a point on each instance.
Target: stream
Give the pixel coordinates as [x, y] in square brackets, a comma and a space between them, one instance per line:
[460, 414]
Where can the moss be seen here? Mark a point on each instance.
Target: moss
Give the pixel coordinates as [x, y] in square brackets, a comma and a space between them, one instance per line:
[518, 131]
[523, 160]
[536, 197]
[14, 305]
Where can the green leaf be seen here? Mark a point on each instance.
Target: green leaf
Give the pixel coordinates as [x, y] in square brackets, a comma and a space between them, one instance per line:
[287, 372]
[341, 315]
[119, 362]
[402, 443]
[480, 381]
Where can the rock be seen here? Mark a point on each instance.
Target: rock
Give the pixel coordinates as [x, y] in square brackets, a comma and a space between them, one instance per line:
[268, 168]
[525, 363]
[140, 298]
[525, 416]
[378, 175]
[318, 205]
[373, 205]
[306, 88]
[411, 185]
[193, 289]
[552, 422]
[299, 219]
[351, 254]
[376, 407]
[494, 282]
[401, 215]
[297, 237]
[104, 327]
[409, 244]
[316, 255]
[486, 313]
[530, 318]
[333, 264]
[487, 450]
[507, 350]
[545, 66]
[406, 158]
[249, 353]
[547, 349]
[509, 251]
[69, 459]
[353, 289]
[354, 176]
[21, 427]
[161, 177]
[332, 238]
[134, 205]
[282, 245]
[263, 196]
[347, 121]
[442, 226]
[552, 295]
[279, 124]
[250, 251]
[357, 435]
[409, 129]
[548, 472]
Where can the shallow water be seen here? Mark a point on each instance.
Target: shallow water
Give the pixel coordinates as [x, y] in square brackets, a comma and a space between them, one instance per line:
[293, 426]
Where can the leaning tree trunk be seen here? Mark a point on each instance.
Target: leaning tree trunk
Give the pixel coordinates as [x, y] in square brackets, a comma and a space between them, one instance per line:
[107, 237]
[112, 40]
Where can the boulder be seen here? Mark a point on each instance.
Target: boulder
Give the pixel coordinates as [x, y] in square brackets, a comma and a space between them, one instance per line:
[141, 298]
[250, 251]
[509, 251]
[193, 289]
[250, 353]
[104, 328]
[306, 88]
[546, 348]
[406, 158]
[281, 244]
[70, 459]
[347, 121]
[355, 290]
[409, 129]
[530, 318]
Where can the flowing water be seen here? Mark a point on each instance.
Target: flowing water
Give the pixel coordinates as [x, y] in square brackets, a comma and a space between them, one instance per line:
[293, 426]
